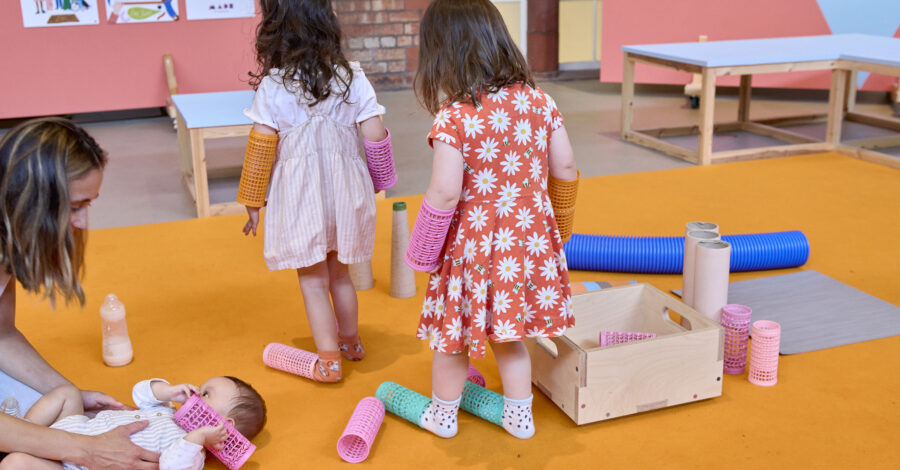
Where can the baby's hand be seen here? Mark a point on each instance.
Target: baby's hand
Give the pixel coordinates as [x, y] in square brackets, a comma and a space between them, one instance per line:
[208, 436]
[177, 393]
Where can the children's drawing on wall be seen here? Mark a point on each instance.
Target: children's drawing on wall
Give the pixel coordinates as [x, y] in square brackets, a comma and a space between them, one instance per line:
[141, 11]
[37, 13]
[219, 9]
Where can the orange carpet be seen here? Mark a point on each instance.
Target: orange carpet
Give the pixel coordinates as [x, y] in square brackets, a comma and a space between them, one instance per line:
[201, 303]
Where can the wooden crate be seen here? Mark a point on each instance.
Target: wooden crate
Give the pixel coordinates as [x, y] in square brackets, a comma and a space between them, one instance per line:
[589, 383]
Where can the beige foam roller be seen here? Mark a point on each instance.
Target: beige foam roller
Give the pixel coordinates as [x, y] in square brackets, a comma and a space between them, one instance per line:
[700, 227]
[711, 270]
[687, 273]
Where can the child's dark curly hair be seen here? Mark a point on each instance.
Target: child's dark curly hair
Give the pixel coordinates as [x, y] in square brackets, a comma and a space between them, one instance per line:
[302, 39]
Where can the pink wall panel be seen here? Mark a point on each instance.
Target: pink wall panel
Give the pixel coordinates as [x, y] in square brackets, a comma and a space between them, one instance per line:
[78, 69]
[630, 22]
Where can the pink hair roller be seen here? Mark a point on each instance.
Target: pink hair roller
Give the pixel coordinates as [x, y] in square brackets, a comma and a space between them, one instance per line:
[736, 321]
[380, 160]
[428, 236]
[296, 361]
[764, 353]
[195, 413]
[609, 338]
[358, 436]
[474, 376]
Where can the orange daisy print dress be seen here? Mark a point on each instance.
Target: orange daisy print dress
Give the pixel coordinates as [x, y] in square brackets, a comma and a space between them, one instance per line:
[504, 275]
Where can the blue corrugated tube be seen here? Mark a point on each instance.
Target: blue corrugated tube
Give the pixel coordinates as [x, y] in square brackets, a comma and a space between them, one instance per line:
[665, 255]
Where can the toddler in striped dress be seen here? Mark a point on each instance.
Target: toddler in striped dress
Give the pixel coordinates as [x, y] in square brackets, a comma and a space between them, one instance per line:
[310, 107]
[232, 398]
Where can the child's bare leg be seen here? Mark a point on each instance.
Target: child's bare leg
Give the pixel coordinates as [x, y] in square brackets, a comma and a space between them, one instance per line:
[346, 308]
[314, 285]
[343, 295]
[314, 281]
[515, 372]
[448, 376]
[58, 403]
[515, 368]
[20, 461]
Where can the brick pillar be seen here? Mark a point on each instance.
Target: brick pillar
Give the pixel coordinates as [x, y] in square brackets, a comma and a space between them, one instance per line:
[543, 36]
[383, 35]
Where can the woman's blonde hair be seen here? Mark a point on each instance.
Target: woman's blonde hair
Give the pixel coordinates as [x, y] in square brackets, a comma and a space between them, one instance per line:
[38, 158]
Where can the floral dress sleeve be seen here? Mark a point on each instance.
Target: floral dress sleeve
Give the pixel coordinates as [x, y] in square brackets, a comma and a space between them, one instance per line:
[551, 114]
[446, 129]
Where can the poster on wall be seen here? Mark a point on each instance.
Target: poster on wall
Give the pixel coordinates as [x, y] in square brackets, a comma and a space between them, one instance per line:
[220, 9]
[39, 13]
[141, 11]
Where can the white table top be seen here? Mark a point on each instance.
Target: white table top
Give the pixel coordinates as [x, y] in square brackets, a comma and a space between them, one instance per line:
[858, 47]
[224, 108]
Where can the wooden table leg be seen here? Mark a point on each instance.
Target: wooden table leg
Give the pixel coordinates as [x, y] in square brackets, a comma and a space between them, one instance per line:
[201, 185]
[850, 101]
[184, 146]
[627, 94]
[836, 102]
[707, 107]
[744, 98]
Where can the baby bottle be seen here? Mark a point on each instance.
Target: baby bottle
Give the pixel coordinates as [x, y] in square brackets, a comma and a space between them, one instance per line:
[116, 344]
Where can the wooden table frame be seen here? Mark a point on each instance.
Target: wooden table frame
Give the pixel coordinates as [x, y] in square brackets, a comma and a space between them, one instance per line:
[192, 156]
[841, 100]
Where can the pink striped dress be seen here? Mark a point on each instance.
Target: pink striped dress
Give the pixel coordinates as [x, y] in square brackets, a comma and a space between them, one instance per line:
[321, 197]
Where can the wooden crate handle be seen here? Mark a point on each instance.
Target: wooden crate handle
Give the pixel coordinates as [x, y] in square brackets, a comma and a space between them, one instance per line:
[548, 346]
[683, 322]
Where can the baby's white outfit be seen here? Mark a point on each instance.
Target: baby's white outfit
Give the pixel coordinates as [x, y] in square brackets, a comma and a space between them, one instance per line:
[163, 435]
[321, 197]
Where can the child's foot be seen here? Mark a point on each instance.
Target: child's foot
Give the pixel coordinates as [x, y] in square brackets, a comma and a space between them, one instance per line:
[351, 347]
[10, 406]
[328, 367]
[440, 417]
[517, 418]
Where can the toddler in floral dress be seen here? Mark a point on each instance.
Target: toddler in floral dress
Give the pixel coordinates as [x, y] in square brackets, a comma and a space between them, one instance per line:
[497, 211]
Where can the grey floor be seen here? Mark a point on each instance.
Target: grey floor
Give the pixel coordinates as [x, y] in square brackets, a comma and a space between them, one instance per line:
[142, 184]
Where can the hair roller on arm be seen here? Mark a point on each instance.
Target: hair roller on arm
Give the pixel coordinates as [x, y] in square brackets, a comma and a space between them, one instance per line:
[428, 237]
[562, 197]
[380, 160]
[257, 168]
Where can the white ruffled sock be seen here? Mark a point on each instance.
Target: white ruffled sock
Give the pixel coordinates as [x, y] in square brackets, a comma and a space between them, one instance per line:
[440, 417]
[517, 418]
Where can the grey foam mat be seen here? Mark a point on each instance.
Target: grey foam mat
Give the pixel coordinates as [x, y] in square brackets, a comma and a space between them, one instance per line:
[815, 311]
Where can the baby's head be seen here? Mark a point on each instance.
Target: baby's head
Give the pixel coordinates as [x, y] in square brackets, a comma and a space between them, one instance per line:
[236, 401]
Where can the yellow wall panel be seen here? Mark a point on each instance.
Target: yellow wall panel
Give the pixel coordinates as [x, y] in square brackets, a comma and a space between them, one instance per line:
[512, 16]
[575, 31]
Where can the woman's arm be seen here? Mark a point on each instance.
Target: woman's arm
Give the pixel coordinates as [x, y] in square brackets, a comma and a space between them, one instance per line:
[18, 358]
[109, 451]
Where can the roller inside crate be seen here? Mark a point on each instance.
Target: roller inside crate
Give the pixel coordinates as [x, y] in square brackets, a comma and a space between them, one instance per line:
[591, 383]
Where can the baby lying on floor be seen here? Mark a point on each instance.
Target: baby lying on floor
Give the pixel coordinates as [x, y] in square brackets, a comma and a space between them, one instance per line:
[234, 399]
